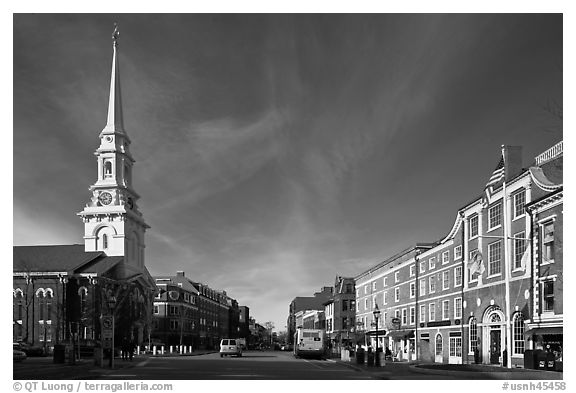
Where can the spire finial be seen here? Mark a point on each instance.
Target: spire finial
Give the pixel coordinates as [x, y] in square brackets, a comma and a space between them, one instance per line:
[115, 34]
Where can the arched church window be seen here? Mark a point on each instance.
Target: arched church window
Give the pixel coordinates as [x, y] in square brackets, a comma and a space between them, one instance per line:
[83, 293]
[18, 304]
[495, 318]
[41, 303]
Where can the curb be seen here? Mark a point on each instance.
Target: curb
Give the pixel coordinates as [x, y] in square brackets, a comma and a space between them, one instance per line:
[359, 368]
[482, 374]
[174, 355]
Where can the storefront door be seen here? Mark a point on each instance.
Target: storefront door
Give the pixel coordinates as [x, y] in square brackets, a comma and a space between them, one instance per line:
[495, 346]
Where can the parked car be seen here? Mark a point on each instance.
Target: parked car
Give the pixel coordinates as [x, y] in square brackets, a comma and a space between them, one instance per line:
[230, 346]
[29, 350]
[286, 347]
[18, 355]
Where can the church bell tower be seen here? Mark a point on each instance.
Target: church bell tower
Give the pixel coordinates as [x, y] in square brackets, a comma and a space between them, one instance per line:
[112, 221]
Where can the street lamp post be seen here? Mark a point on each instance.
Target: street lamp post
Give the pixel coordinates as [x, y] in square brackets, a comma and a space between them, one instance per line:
[376, 313]
[111, 306]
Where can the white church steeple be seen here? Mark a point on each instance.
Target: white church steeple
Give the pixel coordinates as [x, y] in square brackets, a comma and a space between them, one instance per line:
[112, 221]
[115, 121]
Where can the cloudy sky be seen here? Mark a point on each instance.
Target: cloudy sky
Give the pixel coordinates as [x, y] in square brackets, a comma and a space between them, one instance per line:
[274, 152]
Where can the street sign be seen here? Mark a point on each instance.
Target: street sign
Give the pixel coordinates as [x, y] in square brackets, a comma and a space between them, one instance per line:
[107, 323]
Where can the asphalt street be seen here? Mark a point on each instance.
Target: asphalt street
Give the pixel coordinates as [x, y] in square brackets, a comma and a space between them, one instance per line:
[256, 365]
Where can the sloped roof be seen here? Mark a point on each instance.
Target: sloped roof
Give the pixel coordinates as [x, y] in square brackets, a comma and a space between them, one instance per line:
[61, 258]
[100, 265]
[309, 303]
[185, 282]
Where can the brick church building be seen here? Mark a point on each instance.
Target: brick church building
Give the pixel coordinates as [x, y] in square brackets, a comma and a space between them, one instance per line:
[61, 292]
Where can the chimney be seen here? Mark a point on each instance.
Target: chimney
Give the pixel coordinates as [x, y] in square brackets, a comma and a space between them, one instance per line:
[179, 273]
[513, 160]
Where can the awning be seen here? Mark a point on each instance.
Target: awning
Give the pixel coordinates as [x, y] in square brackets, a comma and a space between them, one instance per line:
[380, 333]
[544, 330]
[401, 333]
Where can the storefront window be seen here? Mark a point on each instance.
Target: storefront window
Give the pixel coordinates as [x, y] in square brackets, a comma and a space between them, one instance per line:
[456, 346]
[552, 343]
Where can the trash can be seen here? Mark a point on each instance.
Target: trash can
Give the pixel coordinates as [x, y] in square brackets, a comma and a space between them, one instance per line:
[540, 358]
[529, 359]
[370, 358]
[360, 356]
[59, 353]
[98, 356]
[381, 359]
[550, 361]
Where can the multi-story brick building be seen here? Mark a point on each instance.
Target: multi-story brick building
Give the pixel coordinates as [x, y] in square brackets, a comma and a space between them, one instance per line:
[340, 311]
[190, 313]
[176, 318]
[491, 288]
[438, 299]
[244, 322]
[498, 278]
[390, 286]
[544, 329]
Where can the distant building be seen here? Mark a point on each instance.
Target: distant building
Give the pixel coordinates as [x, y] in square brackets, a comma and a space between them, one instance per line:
[244, 322]
[190, 313]
[176, 317]
[340, 311]
[313, 319]
[302, 303]
[390, 288]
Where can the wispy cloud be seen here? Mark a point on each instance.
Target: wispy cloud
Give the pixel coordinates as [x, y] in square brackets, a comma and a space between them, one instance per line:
[212, 157]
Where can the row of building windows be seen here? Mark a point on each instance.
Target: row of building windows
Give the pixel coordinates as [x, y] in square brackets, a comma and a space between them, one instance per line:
[431, 265]
[495, 214]
[426, 285]
[408, 315]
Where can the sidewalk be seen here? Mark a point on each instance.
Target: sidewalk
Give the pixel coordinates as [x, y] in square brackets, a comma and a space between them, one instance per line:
[40, 368]
[452, 371]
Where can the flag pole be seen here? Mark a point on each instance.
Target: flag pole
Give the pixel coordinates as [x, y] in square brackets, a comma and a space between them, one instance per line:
[507, 269]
